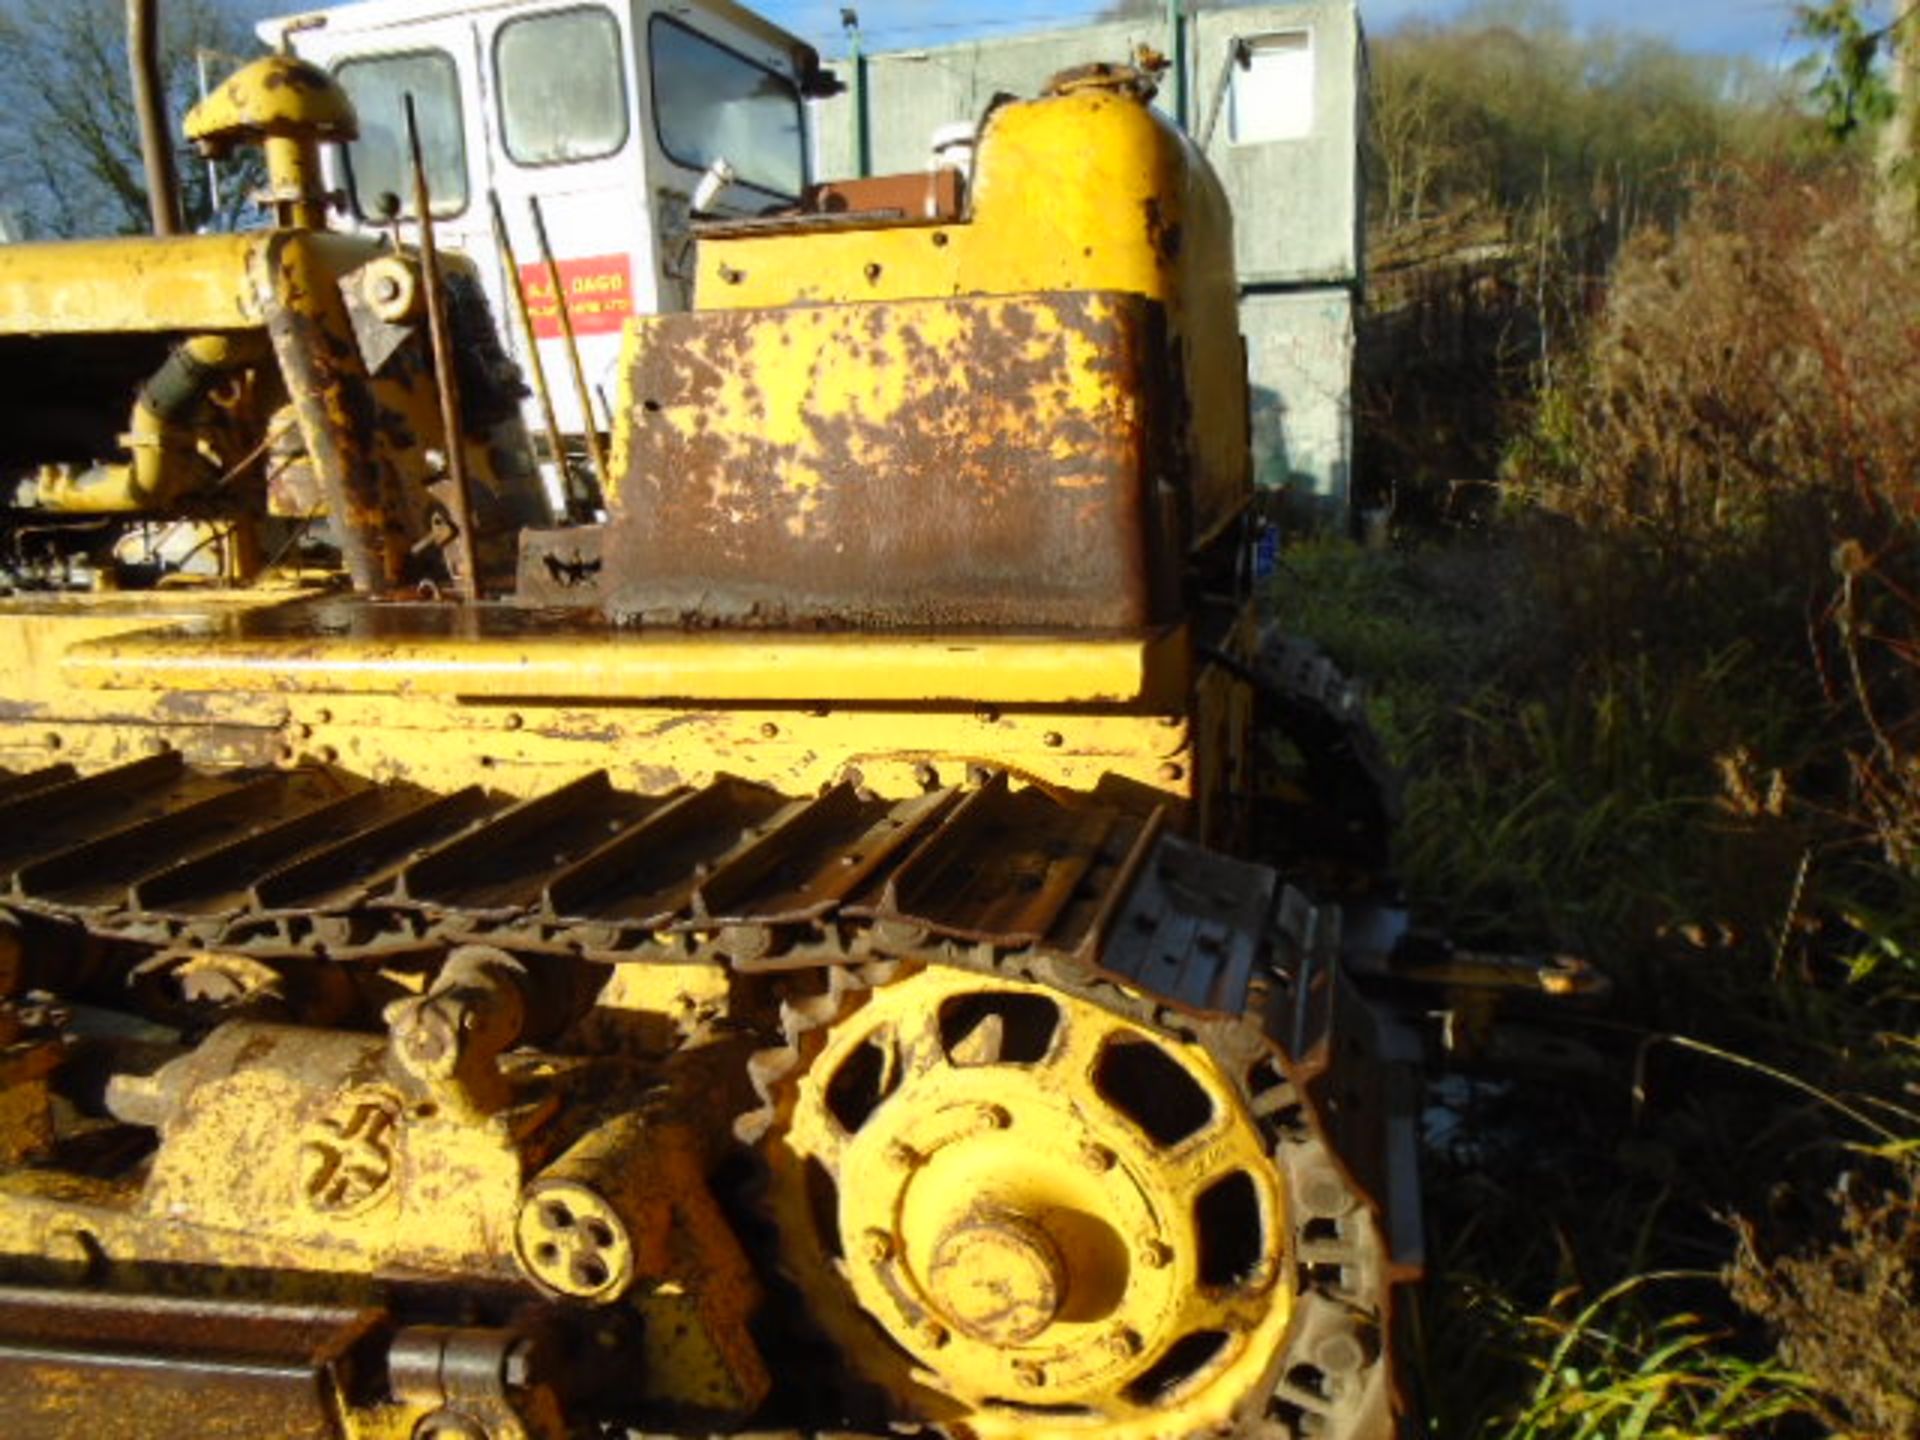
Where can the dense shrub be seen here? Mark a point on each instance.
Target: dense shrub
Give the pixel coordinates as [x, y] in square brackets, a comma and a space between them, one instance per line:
[1747, 410]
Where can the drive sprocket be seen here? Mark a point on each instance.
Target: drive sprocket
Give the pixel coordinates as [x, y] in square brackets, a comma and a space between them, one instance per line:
[1024, 1212]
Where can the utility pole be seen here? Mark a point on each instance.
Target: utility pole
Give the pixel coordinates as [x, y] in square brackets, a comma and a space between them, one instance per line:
[150, 105]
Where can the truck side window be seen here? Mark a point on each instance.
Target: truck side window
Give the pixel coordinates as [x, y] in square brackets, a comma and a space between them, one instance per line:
[377, 162]
[562, 96]
[710, 102]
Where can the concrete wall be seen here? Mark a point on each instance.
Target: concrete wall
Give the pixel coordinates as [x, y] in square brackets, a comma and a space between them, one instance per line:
[1298, 221]
[1296, 201]
[1300, 368]
[911, 93]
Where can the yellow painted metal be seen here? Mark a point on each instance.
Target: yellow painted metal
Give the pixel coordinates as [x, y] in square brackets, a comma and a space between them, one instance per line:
[272, 97]
[167, 456]
[130, 286]
[88, 690]
[1016, 1232]
[382, 481]
[1088, 190]
[497, 655]
[1008, 1225]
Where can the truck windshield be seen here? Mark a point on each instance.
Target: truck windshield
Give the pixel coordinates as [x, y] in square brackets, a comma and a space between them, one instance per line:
[710, 102]
[377, 162]
[562, 96]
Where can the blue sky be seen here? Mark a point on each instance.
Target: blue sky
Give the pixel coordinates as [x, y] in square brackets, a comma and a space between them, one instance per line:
[1755, 28]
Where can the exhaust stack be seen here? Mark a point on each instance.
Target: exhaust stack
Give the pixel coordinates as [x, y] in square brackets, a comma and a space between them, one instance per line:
[150, 104]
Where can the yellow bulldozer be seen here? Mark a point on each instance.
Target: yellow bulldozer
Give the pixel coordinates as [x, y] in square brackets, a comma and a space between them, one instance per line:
[782, 957]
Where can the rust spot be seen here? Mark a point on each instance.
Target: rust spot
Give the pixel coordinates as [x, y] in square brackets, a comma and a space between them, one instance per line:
[1162, 234]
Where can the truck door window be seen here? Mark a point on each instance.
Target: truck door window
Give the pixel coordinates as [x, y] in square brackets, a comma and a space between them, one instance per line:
[710, 102]
[377, 162]
[562, 96]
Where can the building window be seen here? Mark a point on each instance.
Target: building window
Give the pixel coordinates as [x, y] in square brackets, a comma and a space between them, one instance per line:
[377, 163]
[562, 94]
[1272, 88]
[712, 103]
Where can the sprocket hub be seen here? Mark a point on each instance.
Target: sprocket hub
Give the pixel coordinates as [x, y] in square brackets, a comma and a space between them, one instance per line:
[1013, 1206]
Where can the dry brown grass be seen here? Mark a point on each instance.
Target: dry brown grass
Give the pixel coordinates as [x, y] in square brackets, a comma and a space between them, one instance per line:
[1846, 1313]
[1747, 410]
[1763, 356]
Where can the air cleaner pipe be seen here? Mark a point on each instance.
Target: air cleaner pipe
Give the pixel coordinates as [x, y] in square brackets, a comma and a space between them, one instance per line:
[467, 581]
[577, 506]
[588, 423]
[150, 104]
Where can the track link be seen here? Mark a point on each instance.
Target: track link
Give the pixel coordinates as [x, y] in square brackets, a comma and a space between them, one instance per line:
[831, 896]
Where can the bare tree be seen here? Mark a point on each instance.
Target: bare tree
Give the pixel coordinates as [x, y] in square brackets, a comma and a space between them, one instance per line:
[69, 141]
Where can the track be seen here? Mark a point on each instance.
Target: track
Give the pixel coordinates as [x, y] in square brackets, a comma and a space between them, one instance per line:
[1076, 896]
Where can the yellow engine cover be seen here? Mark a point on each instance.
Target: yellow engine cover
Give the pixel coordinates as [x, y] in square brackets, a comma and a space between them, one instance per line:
[1085, 189]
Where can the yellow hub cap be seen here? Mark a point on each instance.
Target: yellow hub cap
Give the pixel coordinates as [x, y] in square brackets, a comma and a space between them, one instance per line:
[1058, 1219]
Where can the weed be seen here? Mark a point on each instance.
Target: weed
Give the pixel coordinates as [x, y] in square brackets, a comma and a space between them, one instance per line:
[1846, 1311]
[1624, 1372]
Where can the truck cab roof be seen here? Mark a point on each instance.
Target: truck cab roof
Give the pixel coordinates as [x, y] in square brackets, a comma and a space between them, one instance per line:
[395, 14]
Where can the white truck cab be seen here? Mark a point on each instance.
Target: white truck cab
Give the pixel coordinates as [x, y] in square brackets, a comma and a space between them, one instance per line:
[610, 111]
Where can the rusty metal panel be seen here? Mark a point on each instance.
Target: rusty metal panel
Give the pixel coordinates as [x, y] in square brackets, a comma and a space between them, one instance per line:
[975, 461]
[921, 195]
[559, 567]
[927, 197]
[76, 1364]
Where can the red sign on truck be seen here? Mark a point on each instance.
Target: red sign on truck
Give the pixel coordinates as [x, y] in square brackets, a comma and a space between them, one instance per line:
[598, 289]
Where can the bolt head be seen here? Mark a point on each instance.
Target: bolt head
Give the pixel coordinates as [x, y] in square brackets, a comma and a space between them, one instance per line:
[1154, 1255]
[877, 1246]
[1097, 1158]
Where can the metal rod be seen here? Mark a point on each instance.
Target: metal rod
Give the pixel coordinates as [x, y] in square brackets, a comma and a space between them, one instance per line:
[468, 579]
[200, 58]
[587, 421]
[1238, 53]
[535, 366]
[862, 120]
[1177, 53]
[150, 104]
